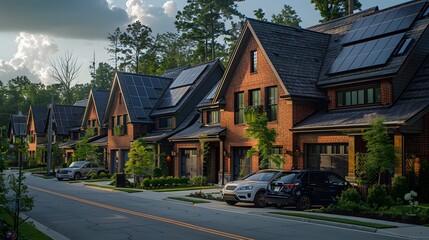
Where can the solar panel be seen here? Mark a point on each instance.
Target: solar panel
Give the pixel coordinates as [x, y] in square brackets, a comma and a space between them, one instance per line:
[382, 23]
[367, 54]
[173, 96]
[188, 76]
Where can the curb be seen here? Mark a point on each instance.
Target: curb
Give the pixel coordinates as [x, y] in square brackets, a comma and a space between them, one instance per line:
[44, 229]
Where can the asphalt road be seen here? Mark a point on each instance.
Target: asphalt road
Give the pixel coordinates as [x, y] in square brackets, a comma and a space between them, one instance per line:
[79, 212]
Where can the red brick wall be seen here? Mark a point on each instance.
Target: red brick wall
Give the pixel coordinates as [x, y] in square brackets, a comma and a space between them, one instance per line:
[386, 89]
[243, 80]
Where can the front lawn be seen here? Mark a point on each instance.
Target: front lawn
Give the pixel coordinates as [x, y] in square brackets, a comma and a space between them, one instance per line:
[184, 188]
[26, 229]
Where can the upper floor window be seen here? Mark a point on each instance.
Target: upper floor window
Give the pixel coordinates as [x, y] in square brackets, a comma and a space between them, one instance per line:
[255, 97]
[253, 61]
[120, 98]
[213, 117]
[124, 122]
[272, 104]
[358, 97]
[239, 107]
[166, 122]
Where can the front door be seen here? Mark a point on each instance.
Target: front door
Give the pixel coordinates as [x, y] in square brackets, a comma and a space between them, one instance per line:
[188, 159]
[114, 160]
[241, 164]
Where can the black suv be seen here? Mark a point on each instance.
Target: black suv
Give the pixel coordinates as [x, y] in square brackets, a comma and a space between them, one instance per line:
[303, 188]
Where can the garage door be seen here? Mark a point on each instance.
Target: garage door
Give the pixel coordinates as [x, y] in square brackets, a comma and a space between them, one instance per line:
[327, 157]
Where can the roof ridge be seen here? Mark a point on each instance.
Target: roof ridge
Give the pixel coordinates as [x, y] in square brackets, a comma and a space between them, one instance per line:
[345, 17]
[299, 29]
[146, 75]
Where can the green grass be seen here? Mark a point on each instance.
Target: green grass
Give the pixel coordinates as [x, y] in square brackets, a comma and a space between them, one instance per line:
[26, 229]
[194, 201]
[184, 189]
[334, 219]
[128, 190]
[400, 209]
[98, 180]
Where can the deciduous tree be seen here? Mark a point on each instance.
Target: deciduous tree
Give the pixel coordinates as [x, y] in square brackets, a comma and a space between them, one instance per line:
[332, 9]
[287, 17]
[141, 161]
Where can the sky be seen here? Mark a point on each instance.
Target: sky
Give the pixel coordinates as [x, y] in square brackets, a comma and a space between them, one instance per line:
[34, 33]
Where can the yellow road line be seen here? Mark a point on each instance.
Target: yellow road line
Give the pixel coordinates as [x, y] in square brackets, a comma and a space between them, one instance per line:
[153, 217]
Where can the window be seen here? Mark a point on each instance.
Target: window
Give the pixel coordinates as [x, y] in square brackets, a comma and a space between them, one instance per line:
[112, 124]
[124, 122]
[166, 122]
[213, 117]
[239, 107]
[358, 97]
[253, 61]
[120, 98]
[255, 97]
[271, 102]
[271, 164]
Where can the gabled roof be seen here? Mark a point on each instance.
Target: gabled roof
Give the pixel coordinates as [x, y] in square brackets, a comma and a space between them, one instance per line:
[208, 99]
[187, 83]
[17, 125]
[412, 104]
[367, 67]
[295, 55]
[174, 72]
[66, 117]
[98, 98]
[39, 115]
[81, 103]
[140, 94]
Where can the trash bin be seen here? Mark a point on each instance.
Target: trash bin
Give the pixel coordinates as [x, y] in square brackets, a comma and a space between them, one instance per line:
[120, 180]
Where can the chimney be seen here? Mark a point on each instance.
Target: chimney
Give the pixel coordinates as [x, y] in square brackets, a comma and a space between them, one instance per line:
[351, 6]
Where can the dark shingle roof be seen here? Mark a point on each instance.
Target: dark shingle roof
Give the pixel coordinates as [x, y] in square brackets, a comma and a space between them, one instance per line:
[296, 54]
[198, 130]
[412, 103]
[101, 97]
[141, 93]
[207, 101]
[39, 114]
[18, 125]
[174, 73]
[339, 28]
[67, 117]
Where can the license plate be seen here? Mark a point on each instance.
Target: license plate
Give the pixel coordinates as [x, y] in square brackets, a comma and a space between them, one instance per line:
[276, 189]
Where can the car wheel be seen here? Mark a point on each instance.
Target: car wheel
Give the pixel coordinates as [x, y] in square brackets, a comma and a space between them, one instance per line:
[59, 179]
[303, 203]
[259, 200]
[77, 176]
[232, 203]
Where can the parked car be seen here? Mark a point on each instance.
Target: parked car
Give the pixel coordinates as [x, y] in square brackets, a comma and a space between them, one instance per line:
[78, 170]
[303, 188]
[250, 189]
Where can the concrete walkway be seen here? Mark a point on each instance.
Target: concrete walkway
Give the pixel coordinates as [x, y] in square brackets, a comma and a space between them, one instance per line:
[402, 230]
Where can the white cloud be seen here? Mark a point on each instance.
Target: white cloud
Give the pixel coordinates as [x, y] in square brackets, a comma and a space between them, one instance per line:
[170, 8]
[156, 17]
[32, 57]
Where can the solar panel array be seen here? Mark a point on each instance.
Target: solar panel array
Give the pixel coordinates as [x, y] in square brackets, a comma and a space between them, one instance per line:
[67, 116]
[188, 76]
[143, 92]
[367, 54]
[386, 22]
[173, 96]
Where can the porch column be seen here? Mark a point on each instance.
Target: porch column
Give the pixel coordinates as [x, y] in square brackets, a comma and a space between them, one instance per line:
[398, 143]
[352, 157]
[221, 159]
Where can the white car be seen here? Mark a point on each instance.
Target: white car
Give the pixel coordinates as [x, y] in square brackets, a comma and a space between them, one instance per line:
[251, 189]
[78, 170]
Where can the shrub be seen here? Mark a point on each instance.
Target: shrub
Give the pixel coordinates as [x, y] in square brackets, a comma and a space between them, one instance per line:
[157, 172]
[64, 165]
[177, 181]
[399, 188]
[93, 175]
[198, 181]
[102, 175]
[155, 182]
[113, 177]
[162, 181]
[378, 197]
[184, 180]
[170, 180]
[350, 195]
[146, 182]
[350, 200]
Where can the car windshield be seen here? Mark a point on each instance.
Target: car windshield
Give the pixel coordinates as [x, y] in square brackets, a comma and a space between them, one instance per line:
[76, 164]
[286, 177]
[261, 176]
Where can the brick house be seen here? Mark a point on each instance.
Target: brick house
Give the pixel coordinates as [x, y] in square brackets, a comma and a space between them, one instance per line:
[176, 110]
[16, 131]
[375, 66]
[321, 87]
[37, 116]
[132, 98]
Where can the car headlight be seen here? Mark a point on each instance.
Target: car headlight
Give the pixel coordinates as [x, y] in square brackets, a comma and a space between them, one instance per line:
[246, 188]
[69, 171]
